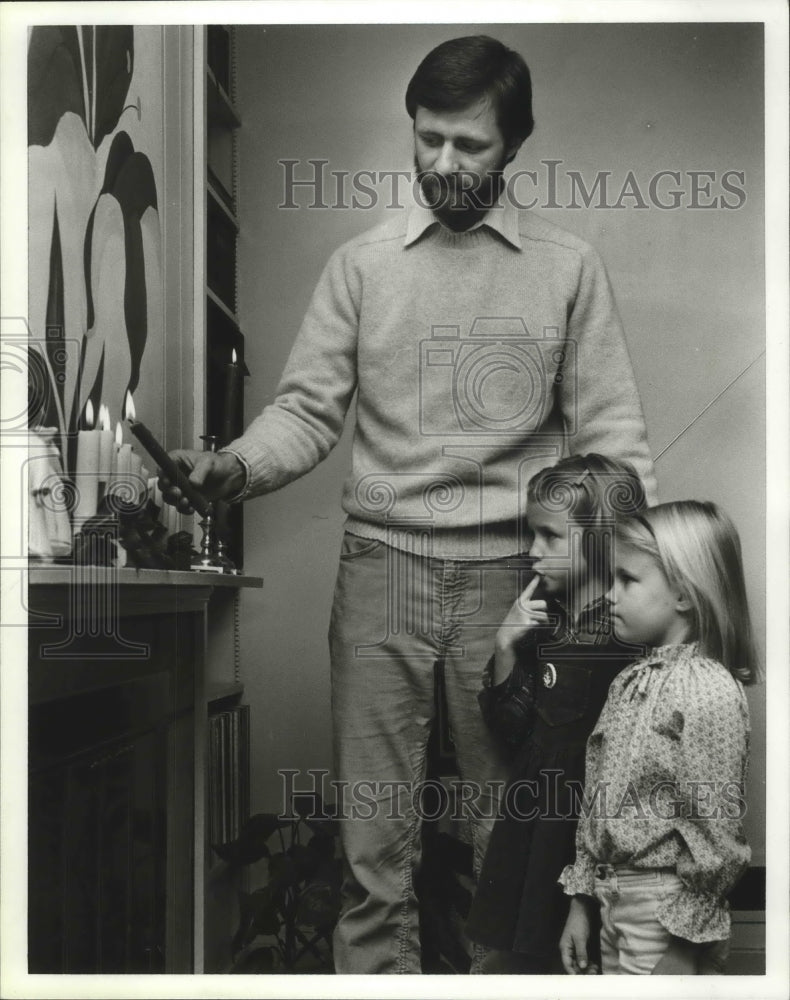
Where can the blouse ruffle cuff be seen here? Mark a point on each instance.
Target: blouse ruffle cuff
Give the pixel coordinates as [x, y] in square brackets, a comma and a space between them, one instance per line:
[695, 916]
[578, 878]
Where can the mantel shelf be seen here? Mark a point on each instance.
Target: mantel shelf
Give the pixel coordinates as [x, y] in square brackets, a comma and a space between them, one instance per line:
[70, 591]
[129, 576]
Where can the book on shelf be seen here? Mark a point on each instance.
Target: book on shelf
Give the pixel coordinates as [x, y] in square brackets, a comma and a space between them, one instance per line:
[228, 774]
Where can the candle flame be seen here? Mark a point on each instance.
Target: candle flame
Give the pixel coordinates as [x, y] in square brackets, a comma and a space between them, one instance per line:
[129, 412]
[89, 423]
[118, 434]
[104, 417]
[233, 358]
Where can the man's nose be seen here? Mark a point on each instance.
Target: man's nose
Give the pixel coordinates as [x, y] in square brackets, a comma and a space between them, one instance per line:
[447, 160]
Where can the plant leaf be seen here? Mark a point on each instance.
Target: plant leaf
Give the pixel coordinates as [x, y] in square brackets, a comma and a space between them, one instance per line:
[318, 905]
[244, 933]
[251, 844]
[322, 845]
[266, 910]
[283, 871]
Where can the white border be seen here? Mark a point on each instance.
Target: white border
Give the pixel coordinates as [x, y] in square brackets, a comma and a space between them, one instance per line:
[14, 20]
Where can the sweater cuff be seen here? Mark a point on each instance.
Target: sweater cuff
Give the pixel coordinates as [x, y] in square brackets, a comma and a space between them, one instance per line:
[258, 467]
[241, 494]
[695, 916]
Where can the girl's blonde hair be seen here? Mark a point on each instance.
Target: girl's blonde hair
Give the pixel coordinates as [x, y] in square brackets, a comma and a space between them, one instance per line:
[593, 490]
[697, 546]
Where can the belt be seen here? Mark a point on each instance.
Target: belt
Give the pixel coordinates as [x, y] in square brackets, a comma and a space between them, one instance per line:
[604, 872]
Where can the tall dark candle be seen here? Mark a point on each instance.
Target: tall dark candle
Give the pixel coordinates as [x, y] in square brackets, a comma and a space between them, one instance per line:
[231, 402]
[173, 471]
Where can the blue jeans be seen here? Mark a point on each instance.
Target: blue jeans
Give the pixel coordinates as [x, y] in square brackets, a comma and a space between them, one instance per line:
[394, 615]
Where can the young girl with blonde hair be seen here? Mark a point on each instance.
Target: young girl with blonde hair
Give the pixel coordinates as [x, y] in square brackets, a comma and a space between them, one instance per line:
[660, 843]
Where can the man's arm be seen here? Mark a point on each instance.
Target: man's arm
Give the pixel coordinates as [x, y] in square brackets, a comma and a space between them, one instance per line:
[305, 421]
[604, 405]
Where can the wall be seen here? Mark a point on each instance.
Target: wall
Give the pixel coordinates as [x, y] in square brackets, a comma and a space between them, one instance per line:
[689, 283]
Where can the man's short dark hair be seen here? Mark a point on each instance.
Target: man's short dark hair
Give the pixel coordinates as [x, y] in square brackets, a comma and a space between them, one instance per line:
[463, 70]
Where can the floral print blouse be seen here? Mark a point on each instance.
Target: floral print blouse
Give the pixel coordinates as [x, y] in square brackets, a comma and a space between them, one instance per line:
[665, 776]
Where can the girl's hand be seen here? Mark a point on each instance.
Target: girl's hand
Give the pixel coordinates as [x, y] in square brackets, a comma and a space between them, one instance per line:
[525, 614]
[680, 959]
[575, 936]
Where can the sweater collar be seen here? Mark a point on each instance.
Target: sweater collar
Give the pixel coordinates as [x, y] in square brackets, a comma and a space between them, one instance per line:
[502, 218]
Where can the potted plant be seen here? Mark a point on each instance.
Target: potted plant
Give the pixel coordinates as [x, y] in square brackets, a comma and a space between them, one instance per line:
[285, 925]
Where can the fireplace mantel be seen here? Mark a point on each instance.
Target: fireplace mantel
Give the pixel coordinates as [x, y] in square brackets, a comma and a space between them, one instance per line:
[122, 668]
[140, 591]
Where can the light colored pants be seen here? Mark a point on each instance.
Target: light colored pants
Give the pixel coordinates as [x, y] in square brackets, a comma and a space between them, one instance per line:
[394, 615]
[632, 939]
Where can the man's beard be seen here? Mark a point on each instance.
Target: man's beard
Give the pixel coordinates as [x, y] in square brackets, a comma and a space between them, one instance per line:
[460, 199]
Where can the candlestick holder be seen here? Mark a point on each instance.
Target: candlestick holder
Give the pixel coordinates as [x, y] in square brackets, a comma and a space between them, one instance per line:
[220, 551]
[208, 562]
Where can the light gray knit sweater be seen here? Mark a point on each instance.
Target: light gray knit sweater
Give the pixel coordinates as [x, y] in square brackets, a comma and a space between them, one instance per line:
[478, 359]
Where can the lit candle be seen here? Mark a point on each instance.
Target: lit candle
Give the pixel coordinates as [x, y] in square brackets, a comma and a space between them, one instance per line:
[106, 447]
[116, 447]
[87, 472]
[121, 463]
[231, 410]
[135, 475]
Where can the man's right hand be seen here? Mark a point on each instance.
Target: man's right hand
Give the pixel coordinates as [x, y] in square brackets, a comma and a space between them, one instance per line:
[215, 475]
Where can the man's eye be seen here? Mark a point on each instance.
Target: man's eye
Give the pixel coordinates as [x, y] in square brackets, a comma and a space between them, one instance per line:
[471, 147]
[549, 536]
[430, 140]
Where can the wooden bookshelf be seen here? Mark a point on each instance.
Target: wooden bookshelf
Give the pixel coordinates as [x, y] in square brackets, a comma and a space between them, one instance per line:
[218, 333]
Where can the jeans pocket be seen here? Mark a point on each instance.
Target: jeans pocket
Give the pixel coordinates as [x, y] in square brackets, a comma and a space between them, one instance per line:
[354, 546]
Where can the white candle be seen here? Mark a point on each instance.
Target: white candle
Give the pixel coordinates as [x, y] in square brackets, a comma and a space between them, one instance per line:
[123, 464]
[87, 472]
[106, 445]
[135, 470]
[119, 481]
[145, 484]
[156, 494]
[116, 447]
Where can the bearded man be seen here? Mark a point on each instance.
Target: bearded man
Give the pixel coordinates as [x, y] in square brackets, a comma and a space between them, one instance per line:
[483, 343]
